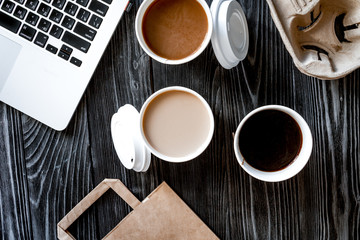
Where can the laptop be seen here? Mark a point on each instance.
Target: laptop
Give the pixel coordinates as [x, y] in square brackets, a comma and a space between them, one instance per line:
[49, 50]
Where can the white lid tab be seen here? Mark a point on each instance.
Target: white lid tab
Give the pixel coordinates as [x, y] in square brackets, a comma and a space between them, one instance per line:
[129, 146]
[230, 37]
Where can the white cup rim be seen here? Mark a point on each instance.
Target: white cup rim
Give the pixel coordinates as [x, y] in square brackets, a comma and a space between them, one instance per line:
[139, 35]
[203, 146]
[297, 164]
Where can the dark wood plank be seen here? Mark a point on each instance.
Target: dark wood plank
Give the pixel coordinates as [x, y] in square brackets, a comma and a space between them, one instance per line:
[59, 172]
[15, 217]
[44, 173]
[122, 77]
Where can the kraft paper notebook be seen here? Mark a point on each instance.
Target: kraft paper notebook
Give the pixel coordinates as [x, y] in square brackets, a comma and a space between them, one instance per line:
[162, 215]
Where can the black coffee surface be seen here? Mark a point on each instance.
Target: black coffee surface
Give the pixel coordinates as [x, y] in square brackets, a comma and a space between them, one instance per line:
[270, 140]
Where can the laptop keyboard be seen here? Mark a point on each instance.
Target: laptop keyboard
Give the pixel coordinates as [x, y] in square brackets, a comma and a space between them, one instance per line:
[74, 22]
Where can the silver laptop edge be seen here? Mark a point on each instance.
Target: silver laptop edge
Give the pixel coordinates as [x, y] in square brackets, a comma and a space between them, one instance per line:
[43, 85]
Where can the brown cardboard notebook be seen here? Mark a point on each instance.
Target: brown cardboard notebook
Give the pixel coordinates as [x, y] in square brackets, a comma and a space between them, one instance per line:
[162, 215]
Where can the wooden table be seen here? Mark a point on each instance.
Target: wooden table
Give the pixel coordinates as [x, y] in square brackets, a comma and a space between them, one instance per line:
[45, 173]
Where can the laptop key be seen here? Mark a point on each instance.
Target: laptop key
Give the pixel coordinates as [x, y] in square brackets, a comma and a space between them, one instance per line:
[71, 8]
[83, 15]
[44, 25]
[108, 1]
[27, 32]
[98, 7]
[59, 4]
[56, 16]
[51, 48]
[76, 61]
[32, 19]
[66, 49]
[76, 42]
[9, 22]
[95, 21]
[41, 39]
[85, 31]
[68, 22]
[8, 6]
[63, 55]
[20, 12]
[56, 31]
[19, 1]
[44, 9]
[31, 4]
[83, 3]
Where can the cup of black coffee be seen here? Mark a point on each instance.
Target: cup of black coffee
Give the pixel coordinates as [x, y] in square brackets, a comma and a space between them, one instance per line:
[273, 143]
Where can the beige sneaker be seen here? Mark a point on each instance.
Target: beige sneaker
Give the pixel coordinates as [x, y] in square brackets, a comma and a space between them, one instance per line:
[322, 36]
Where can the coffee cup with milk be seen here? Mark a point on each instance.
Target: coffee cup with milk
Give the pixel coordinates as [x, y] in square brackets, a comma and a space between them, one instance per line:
[175, 124]
[177, 31]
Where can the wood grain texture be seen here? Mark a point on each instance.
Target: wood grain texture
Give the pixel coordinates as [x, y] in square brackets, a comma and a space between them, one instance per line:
[44, 173]
[14, 200]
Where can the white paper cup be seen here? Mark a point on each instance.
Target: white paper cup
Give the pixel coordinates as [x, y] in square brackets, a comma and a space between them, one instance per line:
[139, 34]
[295, 166]
[188, 156]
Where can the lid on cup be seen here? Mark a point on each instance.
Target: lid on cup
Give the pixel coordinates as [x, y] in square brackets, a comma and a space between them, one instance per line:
[129, 146]
[230, 36]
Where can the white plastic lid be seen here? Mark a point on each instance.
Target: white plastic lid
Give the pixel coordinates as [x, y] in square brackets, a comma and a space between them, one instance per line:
[129, 146]
[230, 37]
